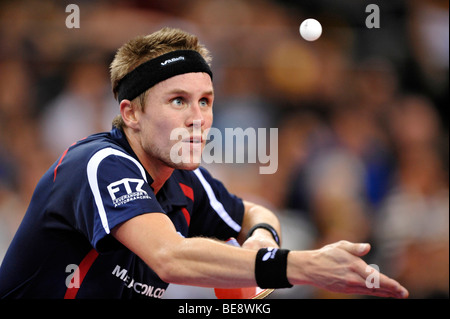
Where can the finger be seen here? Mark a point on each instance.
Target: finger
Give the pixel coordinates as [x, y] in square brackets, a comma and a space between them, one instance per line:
[369, 280]
[379, 292]
[383, 286]
[395, 288]
[383, 292]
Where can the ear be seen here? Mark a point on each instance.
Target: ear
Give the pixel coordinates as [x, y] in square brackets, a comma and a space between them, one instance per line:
[128, 112]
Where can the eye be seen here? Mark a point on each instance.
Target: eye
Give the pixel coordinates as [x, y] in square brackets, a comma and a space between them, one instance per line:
[204, 102]
[178, 101]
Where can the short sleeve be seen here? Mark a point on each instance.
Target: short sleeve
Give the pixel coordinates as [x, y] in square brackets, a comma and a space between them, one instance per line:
[121, 191]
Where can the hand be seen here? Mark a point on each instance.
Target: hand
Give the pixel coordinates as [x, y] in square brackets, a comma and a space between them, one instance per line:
[339, 268]
[261, 238]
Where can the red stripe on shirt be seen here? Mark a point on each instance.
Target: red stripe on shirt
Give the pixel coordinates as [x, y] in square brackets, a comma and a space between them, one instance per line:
[62, 157]
[59, 163]
[81, 272]
[188, 191]
[186, 215]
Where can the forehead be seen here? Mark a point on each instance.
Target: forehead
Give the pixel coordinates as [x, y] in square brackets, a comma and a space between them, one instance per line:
[193, 83]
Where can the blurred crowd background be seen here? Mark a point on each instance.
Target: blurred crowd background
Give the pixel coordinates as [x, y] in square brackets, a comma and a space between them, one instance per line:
[362, 114]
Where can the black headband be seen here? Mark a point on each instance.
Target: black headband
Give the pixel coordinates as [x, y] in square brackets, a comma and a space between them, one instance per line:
[159, 69]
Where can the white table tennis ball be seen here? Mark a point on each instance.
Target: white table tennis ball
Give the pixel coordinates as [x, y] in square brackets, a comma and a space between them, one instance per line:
[310, 29]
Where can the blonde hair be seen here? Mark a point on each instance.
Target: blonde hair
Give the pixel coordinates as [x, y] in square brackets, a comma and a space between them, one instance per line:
[144, 48]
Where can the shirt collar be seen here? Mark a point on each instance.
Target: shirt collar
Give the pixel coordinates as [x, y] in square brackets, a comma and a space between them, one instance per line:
[171, 194]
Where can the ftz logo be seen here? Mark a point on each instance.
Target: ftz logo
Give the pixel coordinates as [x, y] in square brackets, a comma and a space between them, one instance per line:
[127, 190]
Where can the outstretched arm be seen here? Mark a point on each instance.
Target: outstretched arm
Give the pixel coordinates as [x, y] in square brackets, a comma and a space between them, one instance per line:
[210, 263]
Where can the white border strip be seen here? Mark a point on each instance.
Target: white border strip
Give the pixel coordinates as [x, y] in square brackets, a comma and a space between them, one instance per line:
[215, 204]
[92, 168]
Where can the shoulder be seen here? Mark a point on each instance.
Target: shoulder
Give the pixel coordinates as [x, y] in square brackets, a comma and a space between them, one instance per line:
[93, 149]
[89, 154]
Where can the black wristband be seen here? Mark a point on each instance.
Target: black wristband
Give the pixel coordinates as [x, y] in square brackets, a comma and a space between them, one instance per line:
[271, 267]
[269, 228]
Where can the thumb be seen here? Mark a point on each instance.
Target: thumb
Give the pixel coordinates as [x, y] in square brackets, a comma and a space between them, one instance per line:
[358, 249]
[361, 249]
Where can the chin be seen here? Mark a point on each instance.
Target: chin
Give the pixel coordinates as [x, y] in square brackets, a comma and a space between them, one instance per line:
[190, 162]
[186, 166]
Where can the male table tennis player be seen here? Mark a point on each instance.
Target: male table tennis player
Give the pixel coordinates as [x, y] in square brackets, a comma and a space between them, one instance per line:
[117, 217]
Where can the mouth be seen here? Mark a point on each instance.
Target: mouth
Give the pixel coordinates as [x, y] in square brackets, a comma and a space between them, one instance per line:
[193, 140]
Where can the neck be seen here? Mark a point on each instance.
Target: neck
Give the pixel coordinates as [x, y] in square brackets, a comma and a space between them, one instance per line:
[158, 170]
[159, 175]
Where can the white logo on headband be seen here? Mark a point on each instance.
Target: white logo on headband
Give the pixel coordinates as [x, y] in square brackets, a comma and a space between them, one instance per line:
[172, 60]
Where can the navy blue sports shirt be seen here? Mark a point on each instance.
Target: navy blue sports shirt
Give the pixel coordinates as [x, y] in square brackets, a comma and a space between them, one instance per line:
[63, 247]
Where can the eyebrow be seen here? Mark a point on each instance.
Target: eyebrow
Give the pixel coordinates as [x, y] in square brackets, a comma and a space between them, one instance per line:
[184, 92]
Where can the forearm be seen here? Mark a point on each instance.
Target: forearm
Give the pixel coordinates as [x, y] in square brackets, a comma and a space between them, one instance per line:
[188, 261]
[210, 263]
[225, 266]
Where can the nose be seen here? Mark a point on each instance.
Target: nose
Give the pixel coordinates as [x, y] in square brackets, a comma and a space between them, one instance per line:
[196, 118]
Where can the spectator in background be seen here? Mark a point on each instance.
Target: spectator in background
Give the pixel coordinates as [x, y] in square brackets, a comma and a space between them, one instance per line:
[412, 229]
[428, 32]
[20, 155]
[347, 162]
[84, 107]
